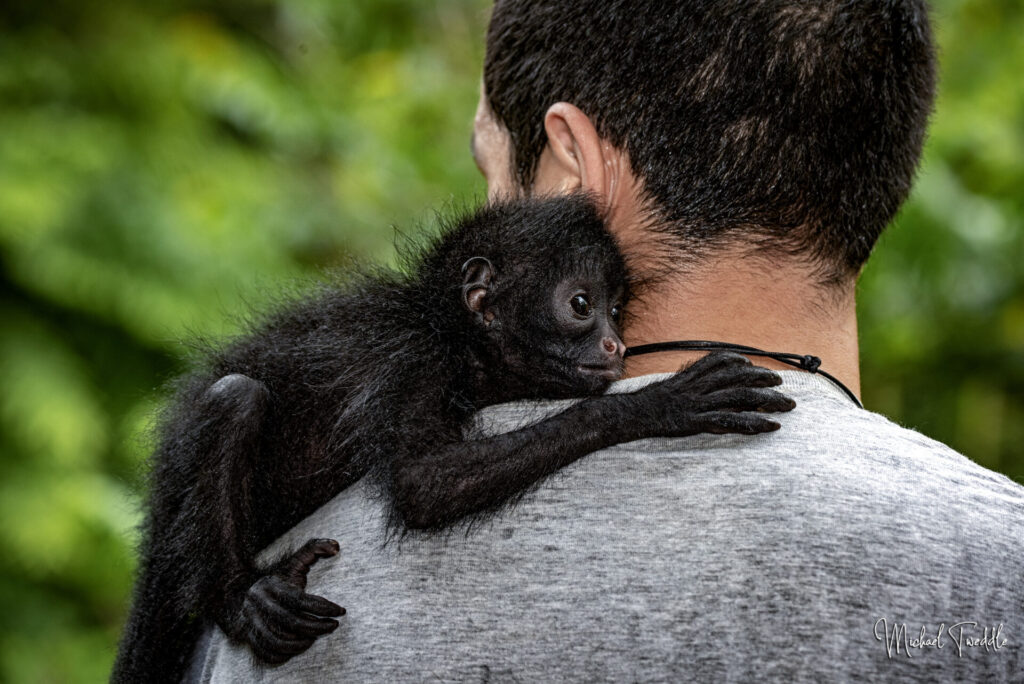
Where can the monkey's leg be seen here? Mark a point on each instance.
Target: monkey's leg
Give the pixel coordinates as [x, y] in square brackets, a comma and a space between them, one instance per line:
[198, 556]
[159, 636]
[268, 609]
[720, 393]
[195, 553]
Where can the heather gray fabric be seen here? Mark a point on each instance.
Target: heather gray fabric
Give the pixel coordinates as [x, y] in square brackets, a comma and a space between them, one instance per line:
[709, 558]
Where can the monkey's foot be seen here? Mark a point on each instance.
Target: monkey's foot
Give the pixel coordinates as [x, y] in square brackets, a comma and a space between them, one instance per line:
[278, 618]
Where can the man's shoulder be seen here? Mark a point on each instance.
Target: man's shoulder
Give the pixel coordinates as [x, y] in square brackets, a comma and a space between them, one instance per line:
[810, 535]
[826, 441]
[826, 432]
[866, 447]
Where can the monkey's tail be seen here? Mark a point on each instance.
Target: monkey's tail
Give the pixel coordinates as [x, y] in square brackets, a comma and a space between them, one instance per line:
[158, 640]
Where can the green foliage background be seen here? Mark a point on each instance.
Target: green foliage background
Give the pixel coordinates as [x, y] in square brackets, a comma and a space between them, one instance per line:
[163, 164]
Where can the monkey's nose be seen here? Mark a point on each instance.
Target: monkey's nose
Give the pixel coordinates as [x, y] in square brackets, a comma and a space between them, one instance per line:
[613, 346]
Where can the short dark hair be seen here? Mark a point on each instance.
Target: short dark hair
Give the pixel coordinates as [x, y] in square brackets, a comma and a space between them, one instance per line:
[793, 125]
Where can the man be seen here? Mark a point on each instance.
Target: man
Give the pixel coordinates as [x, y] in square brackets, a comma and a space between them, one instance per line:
[749, 154]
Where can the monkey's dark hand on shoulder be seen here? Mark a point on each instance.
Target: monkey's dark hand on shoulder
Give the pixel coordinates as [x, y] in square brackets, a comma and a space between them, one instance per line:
[277, 617]
[377, 376]
[720, 393]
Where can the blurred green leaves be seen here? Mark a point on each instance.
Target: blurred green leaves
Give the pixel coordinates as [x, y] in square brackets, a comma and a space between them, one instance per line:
[942, 299]
[163, 167]
[166, 165]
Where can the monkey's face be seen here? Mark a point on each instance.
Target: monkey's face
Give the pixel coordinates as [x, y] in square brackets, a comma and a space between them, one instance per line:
[553, 330]
[563, 338]
[583, 344]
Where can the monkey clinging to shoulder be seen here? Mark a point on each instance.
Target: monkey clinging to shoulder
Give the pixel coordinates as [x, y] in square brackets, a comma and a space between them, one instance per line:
[521, 299]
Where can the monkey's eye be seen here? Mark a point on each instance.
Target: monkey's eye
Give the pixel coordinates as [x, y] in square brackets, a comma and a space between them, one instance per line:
[616, 313]
[580, 306]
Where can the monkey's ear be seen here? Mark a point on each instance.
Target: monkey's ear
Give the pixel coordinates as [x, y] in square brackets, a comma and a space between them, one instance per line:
[477, 274]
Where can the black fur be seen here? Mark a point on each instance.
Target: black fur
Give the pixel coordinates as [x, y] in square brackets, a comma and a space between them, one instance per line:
[794, 125]
[378, 377]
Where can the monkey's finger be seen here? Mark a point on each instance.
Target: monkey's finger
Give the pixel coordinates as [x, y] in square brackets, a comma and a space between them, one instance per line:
[259, 625]
[287, 622]
[713, 361]
[324, 548]
[284, 647]
[742, 376]
[275, 650]
[756, 376]
[747, 399]
[269, 656]
[310, 603]
[721, 423]
[297, 566]
[291, 622]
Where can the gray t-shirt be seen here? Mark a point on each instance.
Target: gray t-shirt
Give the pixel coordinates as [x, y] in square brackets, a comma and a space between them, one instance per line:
[842, 547]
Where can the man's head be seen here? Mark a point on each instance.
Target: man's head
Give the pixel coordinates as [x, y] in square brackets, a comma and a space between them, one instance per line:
[791, 127]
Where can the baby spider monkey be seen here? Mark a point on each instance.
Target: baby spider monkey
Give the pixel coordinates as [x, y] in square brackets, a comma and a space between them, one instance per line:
[518, 300]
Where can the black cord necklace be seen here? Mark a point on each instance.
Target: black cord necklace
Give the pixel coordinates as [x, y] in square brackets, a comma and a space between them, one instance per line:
[811, 364]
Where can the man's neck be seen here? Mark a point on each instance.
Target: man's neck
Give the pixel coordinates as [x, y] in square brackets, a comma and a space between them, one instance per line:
[775, 307]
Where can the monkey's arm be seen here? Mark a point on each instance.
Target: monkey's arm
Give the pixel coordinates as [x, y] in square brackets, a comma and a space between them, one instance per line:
[462, 477]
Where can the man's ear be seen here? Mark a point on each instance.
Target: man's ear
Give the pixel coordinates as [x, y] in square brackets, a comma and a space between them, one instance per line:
[477, 274]
[575, 157]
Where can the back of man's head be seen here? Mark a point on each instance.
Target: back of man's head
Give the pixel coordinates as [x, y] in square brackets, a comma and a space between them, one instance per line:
[795, 127]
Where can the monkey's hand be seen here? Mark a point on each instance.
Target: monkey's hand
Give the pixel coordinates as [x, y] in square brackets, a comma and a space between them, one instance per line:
[720, 393]
[278, 619]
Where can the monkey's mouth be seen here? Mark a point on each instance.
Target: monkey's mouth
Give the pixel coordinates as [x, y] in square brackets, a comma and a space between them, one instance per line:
[605, 371]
